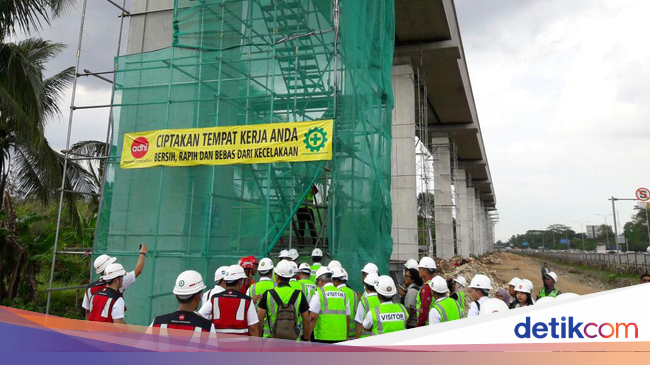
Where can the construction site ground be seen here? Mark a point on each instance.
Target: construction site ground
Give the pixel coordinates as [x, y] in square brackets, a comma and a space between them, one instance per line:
[501, 267]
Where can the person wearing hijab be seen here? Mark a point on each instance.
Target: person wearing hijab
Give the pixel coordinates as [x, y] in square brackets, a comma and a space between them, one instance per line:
[503, 295]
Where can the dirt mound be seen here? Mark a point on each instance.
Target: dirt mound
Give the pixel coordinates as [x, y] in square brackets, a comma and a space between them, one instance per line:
[469, 267]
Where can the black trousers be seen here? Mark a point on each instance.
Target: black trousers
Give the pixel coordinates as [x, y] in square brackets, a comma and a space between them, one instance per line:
[306, 215]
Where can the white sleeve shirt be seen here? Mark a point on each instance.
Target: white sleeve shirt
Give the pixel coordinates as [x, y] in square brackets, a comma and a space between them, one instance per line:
[118, 309]
[473, 308]
[359, 315]
[129, 279]
[434, 315]
[252, 315]
[314, 304]
[206, 310]
[85, 304]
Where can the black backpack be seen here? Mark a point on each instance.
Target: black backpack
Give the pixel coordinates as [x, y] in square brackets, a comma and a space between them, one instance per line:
[286, 320]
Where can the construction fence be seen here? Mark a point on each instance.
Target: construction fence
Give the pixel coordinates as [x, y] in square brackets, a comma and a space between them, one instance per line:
[624, 263]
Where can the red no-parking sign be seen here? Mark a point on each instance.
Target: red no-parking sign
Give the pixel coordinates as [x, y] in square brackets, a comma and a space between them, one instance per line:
[643, 194]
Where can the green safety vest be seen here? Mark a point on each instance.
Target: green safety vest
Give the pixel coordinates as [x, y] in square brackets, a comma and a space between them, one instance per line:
[542, 293]
[353, 300]
[461, 302]
[387, 318]
[368, 303]
[309, 198]
[295, 284]
[314, 268]
[285, 293]
[332, 319]
[308, 288]
[418, 301]
[260, 288]
[449, 310]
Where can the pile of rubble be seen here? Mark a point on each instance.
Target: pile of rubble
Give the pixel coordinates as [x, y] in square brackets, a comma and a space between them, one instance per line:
[468, 267]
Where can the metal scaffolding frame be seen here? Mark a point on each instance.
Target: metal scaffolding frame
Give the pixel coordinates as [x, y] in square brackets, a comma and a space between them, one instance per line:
[69, 156]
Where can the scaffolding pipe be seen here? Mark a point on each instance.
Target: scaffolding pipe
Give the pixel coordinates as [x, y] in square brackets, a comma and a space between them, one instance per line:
[65, 162]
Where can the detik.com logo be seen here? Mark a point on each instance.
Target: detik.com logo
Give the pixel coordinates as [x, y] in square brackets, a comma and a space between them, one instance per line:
[139, 147]
[571, 329]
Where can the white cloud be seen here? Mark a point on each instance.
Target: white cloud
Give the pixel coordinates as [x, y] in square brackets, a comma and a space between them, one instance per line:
[561, 89]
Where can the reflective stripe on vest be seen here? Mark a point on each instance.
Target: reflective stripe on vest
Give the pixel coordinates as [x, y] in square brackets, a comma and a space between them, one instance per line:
[353, 300]
[461, 302]
[332, 319]
[229, 312]
[542, 293]
[261, 286]
[387, 318]
[368, 303]
[449, 310]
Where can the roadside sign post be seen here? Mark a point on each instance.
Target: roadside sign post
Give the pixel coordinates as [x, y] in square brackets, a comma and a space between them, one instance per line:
[643, 194]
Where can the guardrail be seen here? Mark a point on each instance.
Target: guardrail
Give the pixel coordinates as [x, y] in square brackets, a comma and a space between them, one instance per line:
[637, 263]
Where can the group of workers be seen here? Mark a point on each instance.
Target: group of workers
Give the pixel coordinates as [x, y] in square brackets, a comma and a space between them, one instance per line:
[309, 301]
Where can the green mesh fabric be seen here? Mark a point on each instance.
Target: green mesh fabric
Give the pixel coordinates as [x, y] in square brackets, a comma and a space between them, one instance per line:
[239, 62]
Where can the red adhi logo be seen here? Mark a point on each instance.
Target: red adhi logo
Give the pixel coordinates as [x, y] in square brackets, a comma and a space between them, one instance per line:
[139, 147]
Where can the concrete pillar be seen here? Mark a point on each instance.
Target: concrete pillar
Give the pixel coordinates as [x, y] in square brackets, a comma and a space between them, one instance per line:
[150, 31]
[463, 218]
[441, 151]
[403, 176]
[477, 226]
[471, 218]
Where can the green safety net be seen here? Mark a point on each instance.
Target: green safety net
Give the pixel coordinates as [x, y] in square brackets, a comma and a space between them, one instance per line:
[239, 62]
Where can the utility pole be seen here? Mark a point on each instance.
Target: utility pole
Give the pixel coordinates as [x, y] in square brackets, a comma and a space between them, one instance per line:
[614, 213]
[582, 230]
[606, 228]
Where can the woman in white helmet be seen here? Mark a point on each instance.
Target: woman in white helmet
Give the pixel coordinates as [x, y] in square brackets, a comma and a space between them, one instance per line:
[523, 295]
[187, 290]
[479, 289]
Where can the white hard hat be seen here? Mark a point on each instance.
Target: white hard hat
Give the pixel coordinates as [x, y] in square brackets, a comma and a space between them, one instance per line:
[188, 282]
[493, 305]
[235, 272]
[439, 285]
[480, 281]
[566, 296]
[427, 263]
[220, 273]
[333, 264]
[371, 279]
[266, 264]
[305, 268]
[385, 286]
[322, 271]
[529, 283]
[461, 280]
[515, 281]
[370, 268]
[339, 273]
[113, 271]
[102, 262]
[284, 254]
[411, 264]
[544, 300]
[293, 254]
[295, 267]
[524, 287]
[285, 269]
[317, 252]
[552, 275]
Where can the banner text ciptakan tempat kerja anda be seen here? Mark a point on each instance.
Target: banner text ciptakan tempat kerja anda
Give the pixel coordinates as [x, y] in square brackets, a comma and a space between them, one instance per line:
[258, 143]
